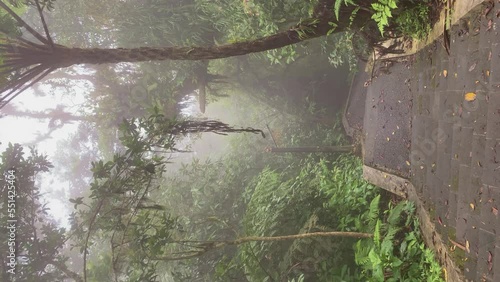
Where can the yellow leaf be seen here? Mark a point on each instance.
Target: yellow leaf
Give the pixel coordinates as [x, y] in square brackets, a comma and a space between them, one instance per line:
[467, 246]
[445, 73]
[407, 163]
[471, 96]
[472, 206]
[487, 73]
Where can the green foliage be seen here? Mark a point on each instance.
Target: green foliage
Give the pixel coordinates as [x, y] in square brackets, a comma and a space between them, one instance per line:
[274, 201]
[414, 21]
[314, 198]
[397, 251]
[338, 4]
[345, 187]
[339, 49]
[30, 239]
[383, 11]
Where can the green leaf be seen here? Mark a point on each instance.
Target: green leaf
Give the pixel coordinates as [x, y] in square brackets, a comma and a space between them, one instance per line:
[336, 8]
[378, 7]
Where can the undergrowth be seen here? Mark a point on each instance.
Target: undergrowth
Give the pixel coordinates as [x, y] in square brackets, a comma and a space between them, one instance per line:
[331, 196]
[397, 251]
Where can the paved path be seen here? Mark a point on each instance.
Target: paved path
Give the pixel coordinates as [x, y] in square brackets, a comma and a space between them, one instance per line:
[418, 125]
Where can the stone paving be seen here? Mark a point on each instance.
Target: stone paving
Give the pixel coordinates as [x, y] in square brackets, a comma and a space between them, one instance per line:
[419, 125]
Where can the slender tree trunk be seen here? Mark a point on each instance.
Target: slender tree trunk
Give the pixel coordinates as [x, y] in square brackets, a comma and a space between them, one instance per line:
[317, 149]
[202, 247]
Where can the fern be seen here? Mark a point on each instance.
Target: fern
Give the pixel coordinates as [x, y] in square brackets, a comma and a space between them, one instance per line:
[382, 12]
[376, 234]
[338, 3]
[395, 214]
[373, 213]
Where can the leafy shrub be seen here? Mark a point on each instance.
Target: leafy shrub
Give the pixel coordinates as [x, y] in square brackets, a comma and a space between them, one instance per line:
[347, 192]
[383, 11]
[397, 251]
[414, 22]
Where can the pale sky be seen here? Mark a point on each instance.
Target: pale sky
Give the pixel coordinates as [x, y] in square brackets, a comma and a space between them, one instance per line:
[25, 130]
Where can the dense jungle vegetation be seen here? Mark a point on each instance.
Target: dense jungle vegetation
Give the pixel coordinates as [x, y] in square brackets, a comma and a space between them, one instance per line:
[142, 208]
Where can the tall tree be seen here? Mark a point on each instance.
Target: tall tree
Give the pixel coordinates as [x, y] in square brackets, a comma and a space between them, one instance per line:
[32, 61]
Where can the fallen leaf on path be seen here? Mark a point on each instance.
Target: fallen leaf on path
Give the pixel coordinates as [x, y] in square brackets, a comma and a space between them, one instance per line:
[472, 206]
[490, 261]
[445, 73]
[472, 67]
[490, 24]
[407, 163]
[467, 246]
[471, 96]
[494, 211]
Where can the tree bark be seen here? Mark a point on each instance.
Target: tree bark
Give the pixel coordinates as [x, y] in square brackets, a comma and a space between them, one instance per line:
[202, 247]
[34, 61]
[317, 149]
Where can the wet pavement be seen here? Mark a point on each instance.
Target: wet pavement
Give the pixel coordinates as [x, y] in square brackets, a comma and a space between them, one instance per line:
[420, 124]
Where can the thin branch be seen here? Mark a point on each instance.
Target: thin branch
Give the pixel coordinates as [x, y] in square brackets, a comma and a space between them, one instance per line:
[24, 24]
[51, 43]
[207, 246]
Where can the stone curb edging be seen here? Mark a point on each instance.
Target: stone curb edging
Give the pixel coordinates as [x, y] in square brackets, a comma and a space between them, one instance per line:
[403, 188]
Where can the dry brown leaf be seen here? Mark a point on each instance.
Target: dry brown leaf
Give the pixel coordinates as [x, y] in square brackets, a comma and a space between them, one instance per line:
[494, 211]
[472, 67]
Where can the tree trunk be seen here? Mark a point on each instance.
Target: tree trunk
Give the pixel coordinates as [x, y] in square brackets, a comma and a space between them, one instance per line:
[317, 149]
[33, 61]
[202, 247]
